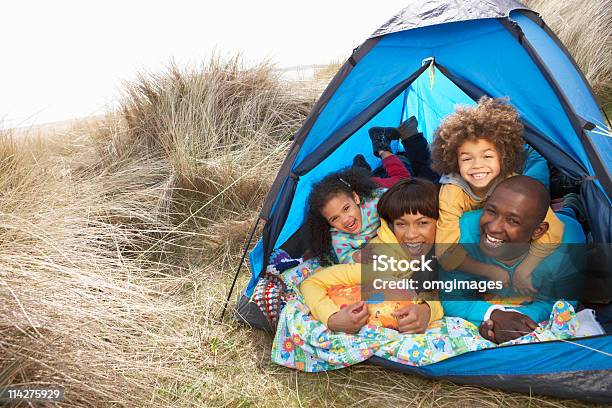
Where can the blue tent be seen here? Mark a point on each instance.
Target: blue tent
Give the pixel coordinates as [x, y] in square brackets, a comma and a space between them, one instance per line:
[424, 61]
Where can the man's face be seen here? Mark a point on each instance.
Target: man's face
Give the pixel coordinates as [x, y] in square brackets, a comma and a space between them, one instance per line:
[507, 224]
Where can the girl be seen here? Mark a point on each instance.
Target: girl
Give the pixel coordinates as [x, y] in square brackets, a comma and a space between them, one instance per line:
[408, 214]
[342, 215]
[474, 149]
[346, 201]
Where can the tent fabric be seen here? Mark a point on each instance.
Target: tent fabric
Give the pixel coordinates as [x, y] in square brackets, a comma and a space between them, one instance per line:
[579, 124]
[430, 98]
[426, 13]
[427, 59]
[562, 368]
[471, 49]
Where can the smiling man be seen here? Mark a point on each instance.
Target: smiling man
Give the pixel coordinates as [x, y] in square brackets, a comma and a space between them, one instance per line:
[501, 234]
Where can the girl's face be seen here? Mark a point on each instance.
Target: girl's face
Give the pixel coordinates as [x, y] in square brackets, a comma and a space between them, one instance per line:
[479, 164]
[342, 212]
[416, 233]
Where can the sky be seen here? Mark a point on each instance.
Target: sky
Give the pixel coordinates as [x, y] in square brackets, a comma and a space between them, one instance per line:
[65, 59]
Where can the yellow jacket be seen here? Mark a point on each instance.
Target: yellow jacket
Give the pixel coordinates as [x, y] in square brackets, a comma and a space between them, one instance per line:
[315, 287]
[454, 201]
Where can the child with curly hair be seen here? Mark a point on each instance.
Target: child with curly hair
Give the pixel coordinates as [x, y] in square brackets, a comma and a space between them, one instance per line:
[342, 215]
[475, 149]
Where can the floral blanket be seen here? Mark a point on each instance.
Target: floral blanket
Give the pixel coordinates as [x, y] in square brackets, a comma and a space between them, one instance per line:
[303, 343]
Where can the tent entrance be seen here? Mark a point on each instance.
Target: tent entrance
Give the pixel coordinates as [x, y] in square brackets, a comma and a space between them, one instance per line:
[427, 94]
[430, 93]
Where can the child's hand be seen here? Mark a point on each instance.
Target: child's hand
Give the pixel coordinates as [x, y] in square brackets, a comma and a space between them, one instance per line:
[349, 319]
[491, 272]
[521, 278]
[413, 318]
[365, 255]
[497, 273]
[521, 282]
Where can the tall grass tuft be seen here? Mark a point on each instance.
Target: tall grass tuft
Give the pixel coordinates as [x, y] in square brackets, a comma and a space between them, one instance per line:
[75, 310]
[91, 297]
[220, 132]
[584, 28]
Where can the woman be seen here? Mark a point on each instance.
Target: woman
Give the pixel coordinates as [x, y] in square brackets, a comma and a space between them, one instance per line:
[408, 212]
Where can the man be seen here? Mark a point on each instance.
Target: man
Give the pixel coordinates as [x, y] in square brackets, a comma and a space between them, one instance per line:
[501, 234]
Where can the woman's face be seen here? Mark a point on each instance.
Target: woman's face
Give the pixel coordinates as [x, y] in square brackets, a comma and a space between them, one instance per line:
[416, 233]
[343, 213]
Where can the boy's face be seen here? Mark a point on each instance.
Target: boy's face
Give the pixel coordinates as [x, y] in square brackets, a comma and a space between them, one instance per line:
[343, 213]
[479, 164]
[416, 233]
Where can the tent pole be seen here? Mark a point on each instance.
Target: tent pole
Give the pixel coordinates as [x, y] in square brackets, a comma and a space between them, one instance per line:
[606, 115]
[246, 248]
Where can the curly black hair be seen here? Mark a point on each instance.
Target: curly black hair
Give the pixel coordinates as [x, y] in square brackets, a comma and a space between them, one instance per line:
[494, 120]
[345, 182]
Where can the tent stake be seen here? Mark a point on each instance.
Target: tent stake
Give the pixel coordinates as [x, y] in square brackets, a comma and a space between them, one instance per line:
[246, 248]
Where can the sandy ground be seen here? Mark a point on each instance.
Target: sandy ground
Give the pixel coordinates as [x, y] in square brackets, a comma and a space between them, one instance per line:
[55, 128]
[299, 73]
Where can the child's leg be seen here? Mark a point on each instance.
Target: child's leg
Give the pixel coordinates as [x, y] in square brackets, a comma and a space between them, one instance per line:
[393, 166]
[361, 162]
[417, 150]
[381, 139]
[395, 169]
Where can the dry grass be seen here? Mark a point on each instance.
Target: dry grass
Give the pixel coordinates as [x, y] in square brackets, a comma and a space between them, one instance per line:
[118, 244]
[211, 126]
[326, 73]
[76, 308]
[102, 231]
[584, 28]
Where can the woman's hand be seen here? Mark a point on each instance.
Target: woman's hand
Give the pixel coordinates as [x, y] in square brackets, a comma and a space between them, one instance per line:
[413, 318]
[349, 319]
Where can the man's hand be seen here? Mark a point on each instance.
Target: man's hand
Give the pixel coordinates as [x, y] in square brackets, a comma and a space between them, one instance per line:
[486, 330]
[504, 326]
[349, 319]
[413, 318]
